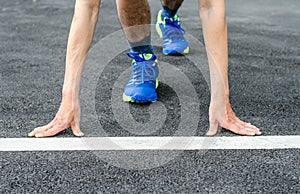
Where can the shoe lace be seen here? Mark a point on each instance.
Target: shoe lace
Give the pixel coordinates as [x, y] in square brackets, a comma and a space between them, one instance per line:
[143, 68]
[173, 28]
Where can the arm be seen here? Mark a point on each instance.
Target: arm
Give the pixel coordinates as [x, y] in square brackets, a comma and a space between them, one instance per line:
[212, 13]
[80, 37]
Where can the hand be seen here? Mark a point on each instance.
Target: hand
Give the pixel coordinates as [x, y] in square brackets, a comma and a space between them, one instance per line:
[67, 116]
[228, 120]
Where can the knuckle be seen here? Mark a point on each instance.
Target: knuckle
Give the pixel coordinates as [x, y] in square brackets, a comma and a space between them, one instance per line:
[61, 122]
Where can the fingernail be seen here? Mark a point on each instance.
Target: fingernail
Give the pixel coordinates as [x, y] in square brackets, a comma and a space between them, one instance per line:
[38, 135]
[30, 134]
[259, 133]
[210, 133]
[252, 133]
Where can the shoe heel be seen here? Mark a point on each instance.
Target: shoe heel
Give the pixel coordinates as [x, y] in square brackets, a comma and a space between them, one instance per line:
[158, 30]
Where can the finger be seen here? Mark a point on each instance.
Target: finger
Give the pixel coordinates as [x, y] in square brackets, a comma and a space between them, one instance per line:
[249, 127]
[50, 132]
[244, 123]
[45, 127]
[252, 128]
[247, 130]
[213, 127]
[238, 129]
[40, 129]
[75, 126]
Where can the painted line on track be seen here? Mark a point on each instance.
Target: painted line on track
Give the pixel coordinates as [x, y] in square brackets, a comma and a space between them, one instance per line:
[149, 143]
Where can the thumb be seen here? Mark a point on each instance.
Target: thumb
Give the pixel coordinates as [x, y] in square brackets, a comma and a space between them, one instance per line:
[213, 127]
[75, 126]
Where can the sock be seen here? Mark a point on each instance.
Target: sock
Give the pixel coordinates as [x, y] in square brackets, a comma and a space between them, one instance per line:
[143, 46]
[166, 12]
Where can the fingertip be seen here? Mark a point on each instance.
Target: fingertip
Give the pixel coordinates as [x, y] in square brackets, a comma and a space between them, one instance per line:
[213, 128]
[31, 134]
[79, 134]
[259, 133]
[39, 135]
[36, 129]
[211, 133]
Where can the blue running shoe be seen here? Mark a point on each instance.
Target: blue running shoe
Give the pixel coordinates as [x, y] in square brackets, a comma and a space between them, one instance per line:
[142, 84]
[172, 35]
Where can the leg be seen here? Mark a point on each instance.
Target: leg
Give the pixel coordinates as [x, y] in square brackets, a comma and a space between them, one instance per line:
[212, 13]
[80, 36]
[135, 19]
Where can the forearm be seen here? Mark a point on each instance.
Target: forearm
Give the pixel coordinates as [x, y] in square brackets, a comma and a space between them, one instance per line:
[80, 37]
[214, 25]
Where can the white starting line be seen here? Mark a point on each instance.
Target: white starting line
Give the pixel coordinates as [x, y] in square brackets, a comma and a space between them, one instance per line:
[149, 143]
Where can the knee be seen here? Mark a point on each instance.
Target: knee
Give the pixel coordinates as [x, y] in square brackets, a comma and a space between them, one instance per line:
[205, 5]
[211, 4]
[92, 5]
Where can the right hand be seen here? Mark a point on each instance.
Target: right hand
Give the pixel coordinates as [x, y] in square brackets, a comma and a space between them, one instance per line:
[229, 121]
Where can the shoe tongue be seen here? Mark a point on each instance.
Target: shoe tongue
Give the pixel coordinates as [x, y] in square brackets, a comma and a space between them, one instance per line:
[139, 57]
[174, 23]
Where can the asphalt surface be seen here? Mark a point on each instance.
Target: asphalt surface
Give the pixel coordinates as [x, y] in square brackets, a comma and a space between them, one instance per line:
[266, 171]
[264, 68]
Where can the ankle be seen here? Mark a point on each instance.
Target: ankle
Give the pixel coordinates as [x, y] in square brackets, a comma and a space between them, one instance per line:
[143, 46]
[167, 12]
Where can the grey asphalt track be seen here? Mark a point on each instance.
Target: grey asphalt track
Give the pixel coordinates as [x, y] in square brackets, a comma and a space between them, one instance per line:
[261, 171]
[264, 58]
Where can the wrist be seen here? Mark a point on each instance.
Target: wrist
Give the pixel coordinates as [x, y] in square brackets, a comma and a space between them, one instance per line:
[218, 95]
[69, 95]
[219, 99]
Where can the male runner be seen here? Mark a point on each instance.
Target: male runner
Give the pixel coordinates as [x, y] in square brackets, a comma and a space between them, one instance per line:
[143, 81]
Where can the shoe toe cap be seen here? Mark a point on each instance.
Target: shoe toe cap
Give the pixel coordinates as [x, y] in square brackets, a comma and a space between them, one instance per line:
[141, 93]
